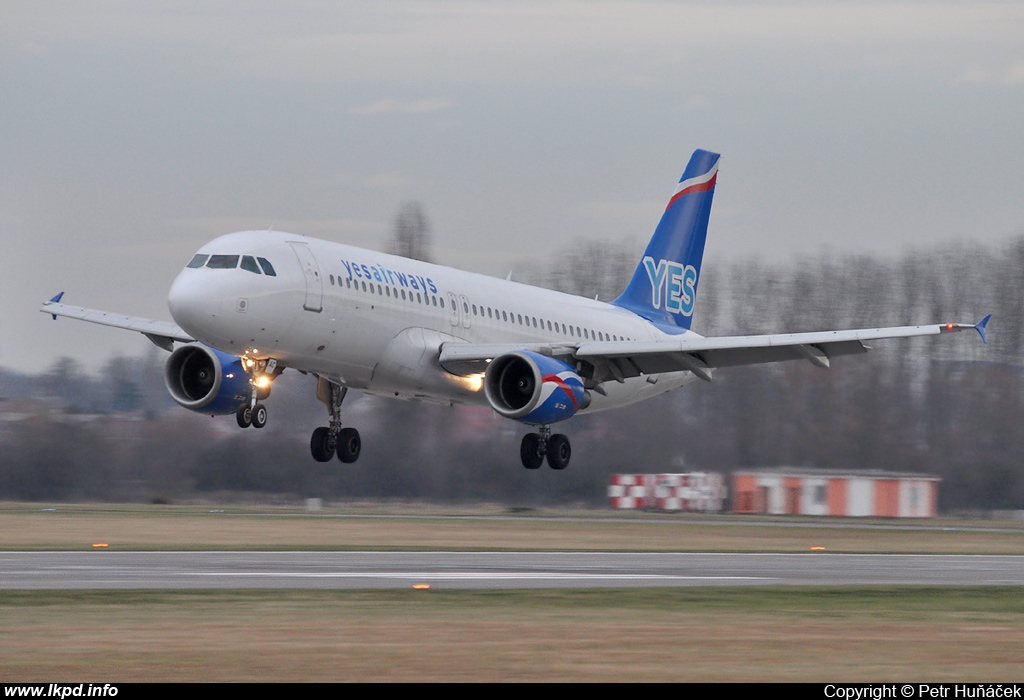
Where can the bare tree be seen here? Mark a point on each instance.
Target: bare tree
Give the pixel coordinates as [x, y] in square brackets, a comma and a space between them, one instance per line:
[412, 233]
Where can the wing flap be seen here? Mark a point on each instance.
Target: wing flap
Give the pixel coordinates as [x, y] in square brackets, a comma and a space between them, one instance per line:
[471, 358]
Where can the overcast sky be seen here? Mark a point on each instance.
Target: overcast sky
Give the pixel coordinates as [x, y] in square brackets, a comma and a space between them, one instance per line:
[133, 132]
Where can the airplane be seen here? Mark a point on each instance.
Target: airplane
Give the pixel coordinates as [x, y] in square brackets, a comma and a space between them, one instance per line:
[251, 304]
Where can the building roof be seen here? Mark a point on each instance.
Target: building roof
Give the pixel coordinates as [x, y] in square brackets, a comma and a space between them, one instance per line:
[811, 473]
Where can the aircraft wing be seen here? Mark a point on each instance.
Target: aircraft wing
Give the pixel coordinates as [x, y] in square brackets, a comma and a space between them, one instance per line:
[617, 360]
[161, 333]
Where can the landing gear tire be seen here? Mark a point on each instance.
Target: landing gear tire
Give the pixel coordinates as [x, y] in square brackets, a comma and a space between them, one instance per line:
[259, 416]
[529, 451]
[558, 451]
[322, 445]
[244, 417]
[349, 444]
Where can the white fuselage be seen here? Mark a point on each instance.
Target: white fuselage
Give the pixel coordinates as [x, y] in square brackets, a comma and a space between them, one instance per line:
[375, 322]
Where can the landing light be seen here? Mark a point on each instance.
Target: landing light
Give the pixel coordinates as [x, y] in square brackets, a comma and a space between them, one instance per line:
[263, 382]
[471, 382]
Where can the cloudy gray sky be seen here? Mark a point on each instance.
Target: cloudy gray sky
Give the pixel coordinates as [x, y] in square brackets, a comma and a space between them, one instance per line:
[131, 133]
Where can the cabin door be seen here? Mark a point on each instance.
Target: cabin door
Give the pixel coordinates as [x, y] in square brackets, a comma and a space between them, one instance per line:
[311, 272]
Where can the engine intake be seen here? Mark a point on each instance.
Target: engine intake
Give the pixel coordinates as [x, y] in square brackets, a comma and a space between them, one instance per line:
[207, 380]
[534, 388]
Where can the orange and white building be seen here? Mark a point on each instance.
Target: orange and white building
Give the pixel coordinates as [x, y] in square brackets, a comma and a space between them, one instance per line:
[867, 493]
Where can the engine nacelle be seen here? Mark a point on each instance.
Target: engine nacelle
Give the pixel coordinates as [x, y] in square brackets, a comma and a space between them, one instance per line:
[534, 388]
[207, 380]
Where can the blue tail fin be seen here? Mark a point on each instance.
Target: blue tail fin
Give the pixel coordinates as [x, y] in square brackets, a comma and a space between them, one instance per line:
[664, 287]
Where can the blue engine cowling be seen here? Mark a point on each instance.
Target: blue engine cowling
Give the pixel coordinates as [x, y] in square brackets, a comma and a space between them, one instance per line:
[207, 380]
[534, 388]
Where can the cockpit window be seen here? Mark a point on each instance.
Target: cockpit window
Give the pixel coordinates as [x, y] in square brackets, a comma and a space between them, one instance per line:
[268, 269]
[249, 263]
[198, 261]
[223, 262]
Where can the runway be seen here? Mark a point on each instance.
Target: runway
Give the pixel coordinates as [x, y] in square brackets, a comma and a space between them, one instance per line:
[482, 570]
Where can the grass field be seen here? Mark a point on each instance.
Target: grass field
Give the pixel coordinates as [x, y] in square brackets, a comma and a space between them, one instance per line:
[681, 634]
[826, 635]
[415, 527]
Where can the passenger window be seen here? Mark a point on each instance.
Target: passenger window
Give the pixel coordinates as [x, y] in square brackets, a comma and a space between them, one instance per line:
[223, 262]
[268, 269]
[249, 264]
[198, 261]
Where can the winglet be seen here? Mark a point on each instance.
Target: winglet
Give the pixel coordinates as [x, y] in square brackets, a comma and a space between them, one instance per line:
[980, 327]
[56, 300]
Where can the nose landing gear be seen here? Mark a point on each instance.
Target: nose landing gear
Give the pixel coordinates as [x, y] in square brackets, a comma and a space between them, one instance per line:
[255, 416]
[264, 372]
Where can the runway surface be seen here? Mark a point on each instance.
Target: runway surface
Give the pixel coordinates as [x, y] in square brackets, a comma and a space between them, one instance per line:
[351, 570]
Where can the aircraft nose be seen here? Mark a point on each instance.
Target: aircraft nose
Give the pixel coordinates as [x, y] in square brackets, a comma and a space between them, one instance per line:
[191, 306]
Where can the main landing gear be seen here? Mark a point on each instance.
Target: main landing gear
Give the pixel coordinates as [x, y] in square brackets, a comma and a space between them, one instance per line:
[536, 446]
[326, 442]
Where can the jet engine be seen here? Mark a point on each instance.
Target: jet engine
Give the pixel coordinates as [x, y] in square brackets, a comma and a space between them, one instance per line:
[207, 380]
[534, 388]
